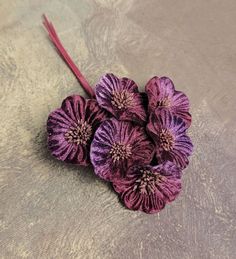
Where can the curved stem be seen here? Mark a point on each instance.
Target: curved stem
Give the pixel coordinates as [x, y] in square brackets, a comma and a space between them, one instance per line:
[56, 41]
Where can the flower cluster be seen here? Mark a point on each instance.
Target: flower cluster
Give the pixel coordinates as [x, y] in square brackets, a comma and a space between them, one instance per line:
[140, 147]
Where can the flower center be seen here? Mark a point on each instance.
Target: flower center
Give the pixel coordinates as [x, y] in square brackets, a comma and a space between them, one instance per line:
[80, 134]
[148, 182]
[122, 99]
[165, 102]
[120, 151]
[166, 140]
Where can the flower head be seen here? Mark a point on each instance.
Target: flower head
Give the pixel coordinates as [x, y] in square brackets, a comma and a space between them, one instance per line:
[116, 146]
[169, 134]
[121, 98]
[148, 188]
[71, 129]
[162, 95]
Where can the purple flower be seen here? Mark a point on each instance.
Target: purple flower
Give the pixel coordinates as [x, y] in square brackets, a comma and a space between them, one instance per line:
[71, 129]
[121, 98]
[169, 134]
[116, 146]
[162, 95]
[148, 188]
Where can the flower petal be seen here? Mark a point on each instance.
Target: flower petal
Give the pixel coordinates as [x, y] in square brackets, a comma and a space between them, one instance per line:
[157, 89]
[136, 145]
[162, 95]
[74, 112]
[121, 98]
[180, 147]
[163, 186]
[74, 107]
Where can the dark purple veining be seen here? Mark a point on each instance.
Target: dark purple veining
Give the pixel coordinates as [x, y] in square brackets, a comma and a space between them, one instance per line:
[71, 129]
[116, 146]
[162, 95]
[168, 131]
[148, 188]
[121, 98]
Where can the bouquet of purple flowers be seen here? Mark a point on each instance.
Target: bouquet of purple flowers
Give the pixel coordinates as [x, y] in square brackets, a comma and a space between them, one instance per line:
[136, 141]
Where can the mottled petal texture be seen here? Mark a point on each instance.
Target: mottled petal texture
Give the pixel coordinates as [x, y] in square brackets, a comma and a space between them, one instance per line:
[116, 146]
[71, 129]
[162, 95]
[121, 98]
[169, 134]
[148, 188]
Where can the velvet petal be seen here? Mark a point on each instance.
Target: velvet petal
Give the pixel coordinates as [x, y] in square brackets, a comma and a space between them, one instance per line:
[133, 110]
[136, 194]
[74, 110]
[132, 137]
[162, 95]
[180, 146]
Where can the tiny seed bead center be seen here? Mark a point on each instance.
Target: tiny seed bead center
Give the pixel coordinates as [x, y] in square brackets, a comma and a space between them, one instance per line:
[122, 99]
[120, 151]
[166, 140]
[165, 102]
[79, 134]
[148, 182]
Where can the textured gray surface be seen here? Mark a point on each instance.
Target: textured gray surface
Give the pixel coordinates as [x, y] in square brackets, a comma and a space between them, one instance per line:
[52, 210]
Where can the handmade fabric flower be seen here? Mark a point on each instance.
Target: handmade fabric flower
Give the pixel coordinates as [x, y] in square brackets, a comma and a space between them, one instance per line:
[121, 98]
[71, 129]
[120, 148]
[169, 134]
[162, 95]
[116, 146]
[148, 188]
